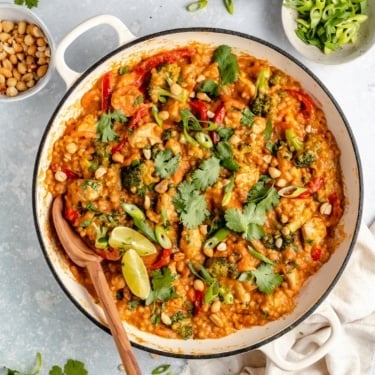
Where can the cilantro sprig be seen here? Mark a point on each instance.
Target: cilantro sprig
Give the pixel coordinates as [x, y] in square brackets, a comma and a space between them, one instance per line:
[264, 276]
[104, 127]
[166, 164]
[162, 291]
[261, 198]
[188, 201]
[71, 367]
[191, 205]
[29, 3]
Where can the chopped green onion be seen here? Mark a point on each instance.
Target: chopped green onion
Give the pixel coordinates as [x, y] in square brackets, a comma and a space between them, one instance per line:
[228, 191]
[229, 5]
[328, 24]
[133, 211]
[260, 256]
[155, 114]
[162, 237]
[204, 139]
[219, 236]
[197, 5]
[160, 369]
[292, 191]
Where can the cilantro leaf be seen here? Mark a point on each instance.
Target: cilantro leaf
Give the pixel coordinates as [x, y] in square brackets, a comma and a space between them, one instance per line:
[228, 65]
[166, 164]
[207, 173]
[195, 212]
[29, 3]
[104, 127]
[209, 87]
[162, 288]
[225, 153]
[247, 118]
[247, 221]
[71, 367]
[191, 205]
[266, 279]
[263, 194]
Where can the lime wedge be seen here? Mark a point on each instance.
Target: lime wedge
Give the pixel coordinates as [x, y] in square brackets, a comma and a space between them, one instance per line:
[135, 274]
[126, 238]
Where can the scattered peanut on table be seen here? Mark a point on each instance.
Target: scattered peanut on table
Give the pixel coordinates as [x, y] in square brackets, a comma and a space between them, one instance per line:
[24, 56]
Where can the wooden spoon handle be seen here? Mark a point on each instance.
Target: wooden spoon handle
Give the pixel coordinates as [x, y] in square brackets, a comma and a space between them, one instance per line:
[113, 318]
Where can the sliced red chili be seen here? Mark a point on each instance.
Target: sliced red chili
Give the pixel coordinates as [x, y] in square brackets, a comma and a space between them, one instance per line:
[163, 260]
[138, 115]
[199, 109]
[219, 115]
[198, 301]
[316, 253]
[69, 173]
[106, 91]
[307, 105]
[119, 146]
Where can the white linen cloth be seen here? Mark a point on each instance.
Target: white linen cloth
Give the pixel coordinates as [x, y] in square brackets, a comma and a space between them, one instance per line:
[353, 300]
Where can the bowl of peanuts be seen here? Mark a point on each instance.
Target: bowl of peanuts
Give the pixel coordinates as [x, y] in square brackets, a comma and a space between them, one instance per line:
[26, 49]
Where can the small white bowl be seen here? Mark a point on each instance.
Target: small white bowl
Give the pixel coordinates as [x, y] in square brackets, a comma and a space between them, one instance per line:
[365, 41]
[18, 13]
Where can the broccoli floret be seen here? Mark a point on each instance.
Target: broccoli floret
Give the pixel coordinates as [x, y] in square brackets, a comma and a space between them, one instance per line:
[261, 103]
[161, 93]
[277, 241]
[304, 159]
[221, 267]
[164, 84]
[183, 328]
[277, 78]
[102, 153]
[132, 177]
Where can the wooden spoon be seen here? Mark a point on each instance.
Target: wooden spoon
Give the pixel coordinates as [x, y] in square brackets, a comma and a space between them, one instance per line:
[83, 256]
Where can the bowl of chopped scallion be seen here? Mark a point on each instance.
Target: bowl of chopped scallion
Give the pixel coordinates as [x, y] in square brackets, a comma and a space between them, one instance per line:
[330, 31]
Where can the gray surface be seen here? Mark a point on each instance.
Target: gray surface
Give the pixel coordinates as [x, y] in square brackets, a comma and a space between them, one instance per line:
[35, 314]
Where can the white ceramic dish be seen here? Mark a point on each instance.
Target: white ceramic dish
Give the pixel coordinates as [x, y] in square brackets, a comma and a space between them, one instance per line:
[364, 43]
[315, 290]
[12, 12]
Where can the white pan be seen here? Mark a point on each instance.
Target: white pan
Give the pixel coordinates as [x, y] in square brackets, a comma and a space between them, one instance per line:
[315, 290]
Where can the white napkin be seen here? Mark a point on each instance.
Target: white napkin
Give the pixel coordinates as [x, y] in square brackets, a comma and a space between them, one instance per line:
[353, 300]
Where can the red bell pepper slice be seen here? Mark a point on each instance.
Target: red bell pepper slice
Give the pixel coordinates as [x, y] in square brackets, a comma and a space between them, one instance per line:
[200, 109]
[312, 186]
[162, 58]
[106, 91]
[316, 253]
[307, 105]
[336, 205]
[69, 173]
[163, 260]
[218, 119]
[71, 214]
[109, 254]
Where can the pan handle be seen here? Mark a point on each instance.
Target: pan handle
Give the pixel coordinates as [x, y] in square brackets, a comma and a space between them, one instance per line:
[69, 75]
[272, 350]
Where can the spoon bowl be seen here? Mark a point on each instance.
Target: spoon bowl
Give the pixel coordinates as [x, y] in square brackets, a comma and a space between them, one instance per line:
[83, 256]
